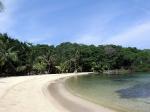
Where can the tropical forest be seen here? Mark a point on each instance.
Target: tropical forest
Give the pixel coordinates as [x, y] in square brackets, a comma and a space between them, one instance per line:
[23, 58]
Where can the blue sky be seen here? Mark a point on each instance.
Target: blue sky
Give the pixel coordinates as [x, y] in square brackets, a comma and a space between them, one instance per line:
[120, 22]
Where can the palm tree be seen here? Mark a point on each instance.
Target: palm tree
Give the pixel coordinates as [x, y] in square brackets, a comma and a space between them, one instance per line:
[1, 6]
[7, 55]
[64, 67]
[39, 65]
[76, 60]
[49, 60]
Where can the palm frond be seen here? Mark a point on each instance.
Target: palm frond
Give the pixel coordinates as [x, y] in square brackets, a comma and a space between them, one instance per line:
[13, 56]
[1, 6]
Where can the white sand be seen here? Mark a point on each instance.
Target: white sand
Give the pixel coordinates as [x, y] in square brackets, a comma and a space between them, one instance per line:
[31, 94]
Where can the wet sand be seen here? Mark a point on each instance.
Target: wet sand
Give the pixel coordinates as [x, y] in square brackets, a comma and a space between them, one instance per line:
[70, 102]
[41, 93]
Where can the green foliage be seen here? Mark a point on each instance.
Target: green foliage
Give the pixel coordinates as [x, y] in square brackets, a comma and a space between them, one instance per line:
[63, 67]
[39, 65]
[7, 56]
[1, 6]
[21, 58]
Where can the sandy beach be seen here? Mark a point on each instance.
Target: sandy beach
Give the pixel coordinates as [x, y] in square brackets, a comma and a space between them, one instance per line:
[42, 93]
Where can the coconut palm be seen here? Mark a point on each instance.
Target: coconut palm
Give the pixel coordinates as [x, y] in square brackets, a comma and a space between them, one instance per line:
[64, 67]
[7, 55]
[75, 61]
[39, 65]
[49, 59]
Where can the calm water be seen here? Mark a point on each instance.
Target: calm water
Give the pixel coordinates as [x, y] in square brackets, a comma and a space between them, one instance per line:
[125, 93]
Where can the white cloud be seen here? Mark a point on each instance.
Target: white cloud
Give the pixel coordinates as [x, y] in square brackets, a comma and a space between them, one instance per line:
[41, 37]
[134, 36]
[95, 28]
[88, 39]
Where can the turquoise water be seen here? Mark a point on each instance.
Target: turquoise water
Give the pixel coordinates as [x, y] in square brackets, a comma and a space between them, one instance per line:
[125, 93]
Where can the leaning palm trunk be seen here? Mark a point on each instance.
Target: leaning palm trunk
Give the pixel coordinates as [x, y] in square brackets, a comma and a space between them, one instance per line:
[49, 68]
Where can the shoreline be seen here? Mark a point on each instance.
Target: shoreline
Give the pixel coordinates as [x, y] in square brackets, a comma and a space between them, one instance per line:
[31, 94]
[69, 102]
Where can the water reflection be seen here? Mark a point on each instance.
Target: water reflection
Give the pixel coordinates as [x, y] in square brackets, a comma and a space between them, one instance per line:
[136, 91]
[133, 90]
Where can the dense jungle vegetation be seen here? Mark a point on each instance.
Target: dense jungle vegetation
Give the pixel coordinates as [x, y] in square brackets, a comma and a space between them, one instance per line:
[22, 58]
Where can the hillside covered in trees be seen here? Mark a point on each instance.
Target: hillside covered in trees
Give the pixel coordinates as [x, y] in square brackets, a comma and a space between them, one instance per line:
[22, 58]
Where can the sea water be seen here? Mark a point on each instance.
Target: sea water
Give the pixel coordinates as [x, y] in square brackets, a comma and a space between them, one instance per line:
[124, 93]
